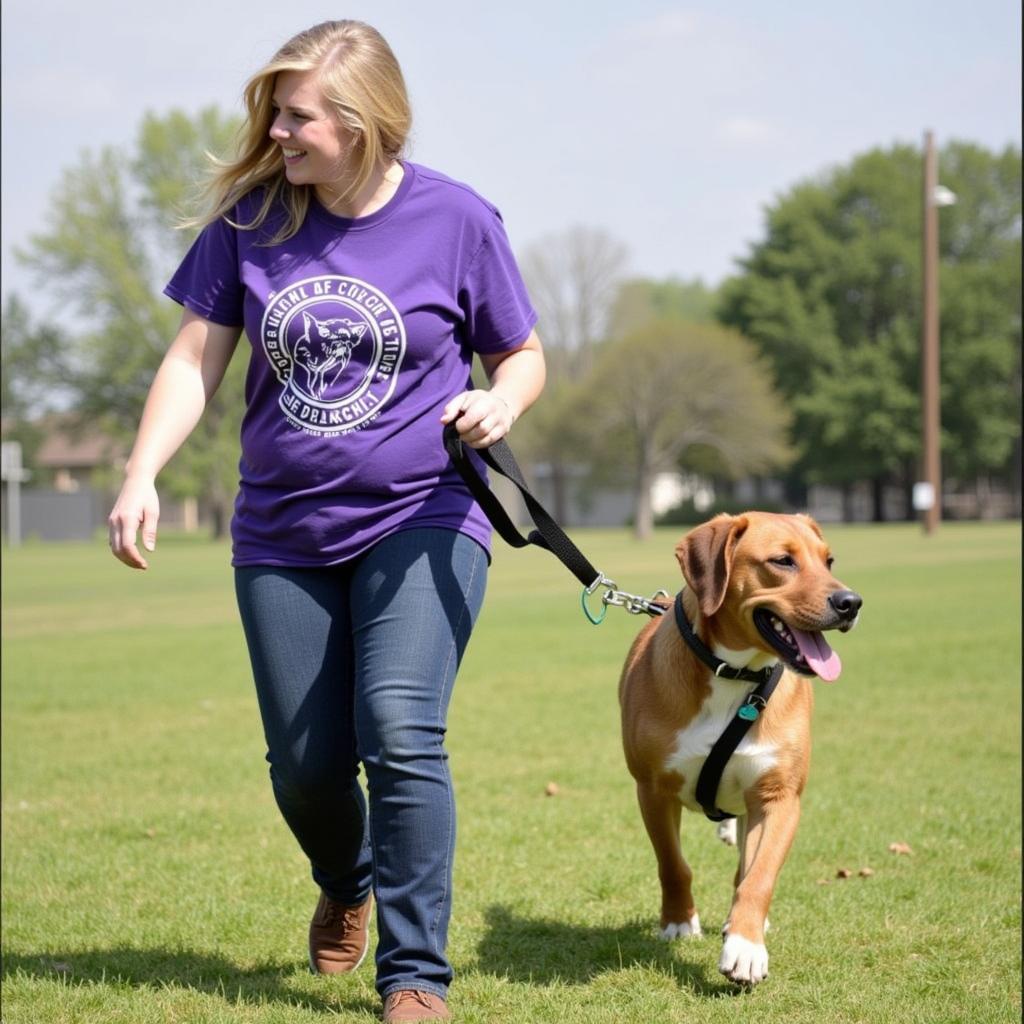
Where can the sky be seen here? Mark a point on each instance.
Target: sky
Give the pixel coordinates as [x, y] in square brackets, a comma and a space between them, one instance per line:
[670, 125]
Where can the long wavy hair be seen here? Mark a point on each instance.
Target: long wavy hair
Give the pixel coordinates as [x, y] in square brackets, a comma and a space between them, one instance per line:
[361, 81]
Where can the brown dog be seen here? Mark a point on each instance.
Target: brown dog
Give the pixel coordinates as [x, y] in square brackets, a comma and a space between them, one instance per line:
[760, 592]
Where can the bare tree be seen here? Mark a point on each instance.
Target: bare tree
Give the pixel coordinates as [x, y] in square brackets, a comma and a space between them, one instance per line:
[670, 385]
[573, 278]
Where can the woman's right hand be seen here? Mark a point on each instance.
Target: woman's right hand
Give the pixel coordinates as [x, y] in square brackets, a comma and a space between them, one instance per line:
[137, 506]
[188, 377]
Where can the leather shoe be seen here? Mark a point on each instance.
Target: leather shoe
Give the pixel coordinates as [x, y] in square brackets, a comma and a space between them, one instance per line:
[339, 936]
[410, 1005]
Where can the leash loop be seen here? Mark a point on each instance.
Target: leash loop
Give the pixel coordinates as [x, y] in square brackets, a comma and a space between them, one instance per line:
[591, 618]
[600, 581]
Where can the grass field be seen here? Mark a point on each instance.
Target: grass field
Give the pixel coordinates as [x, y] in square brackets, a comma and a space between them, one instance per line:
[147, 876]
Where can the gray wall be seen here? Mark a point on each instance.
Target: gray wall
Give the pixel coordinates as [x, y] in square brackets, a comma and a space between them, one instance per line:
[53, 515]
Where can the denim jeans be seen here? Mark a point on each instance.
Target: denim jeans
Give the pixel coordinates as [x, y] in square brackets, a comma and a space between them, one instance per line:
[355, 664]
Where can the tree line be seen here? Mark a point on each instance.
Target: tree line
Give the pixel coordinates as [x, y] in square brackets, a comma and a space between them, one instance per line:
[803, 366]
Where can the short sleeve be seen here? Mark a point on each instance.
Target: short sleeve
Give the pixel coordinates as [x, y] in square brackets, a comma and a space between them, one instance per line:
[493, 297]
[208, 280]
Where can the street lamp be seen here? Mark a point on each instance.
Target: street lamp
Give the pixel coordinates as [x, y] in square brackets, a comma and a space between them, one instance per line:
[928, 490]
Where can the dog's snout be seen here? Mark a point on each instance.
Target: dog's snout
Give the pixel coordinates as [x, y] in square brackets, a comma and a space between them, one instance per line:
[845, 603]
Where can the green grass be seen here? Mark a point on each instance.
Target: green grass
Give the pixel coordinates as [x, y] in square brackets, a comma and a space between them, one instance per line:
[147, 876]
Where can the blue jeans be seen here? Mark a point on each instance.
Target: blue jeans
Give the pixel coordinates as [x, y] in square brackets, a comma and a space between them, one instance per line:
[355, 664]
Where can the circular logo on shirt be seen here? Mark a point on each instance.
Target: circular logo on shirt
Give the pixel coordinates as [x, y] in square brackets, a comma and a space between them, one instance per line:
[336, 345]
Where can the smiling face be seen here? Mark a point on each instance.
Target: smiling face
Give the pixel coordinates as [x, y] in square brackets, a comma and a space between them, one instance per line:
[317, 149]
[765, 581]
[790, 594]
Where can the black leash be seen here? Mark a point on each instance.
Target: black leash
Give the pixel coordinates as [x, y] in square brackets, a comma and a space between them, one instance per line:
[550, 536]
[746, 715]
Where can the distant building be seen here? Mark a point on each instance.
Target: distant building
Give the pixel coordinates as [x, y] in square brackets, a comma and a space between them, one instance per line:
[73, 479]
[74, 458]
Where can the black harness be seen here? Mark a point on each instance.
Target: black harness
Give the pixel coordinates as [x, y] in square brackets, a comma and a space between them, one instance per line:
[746, 715]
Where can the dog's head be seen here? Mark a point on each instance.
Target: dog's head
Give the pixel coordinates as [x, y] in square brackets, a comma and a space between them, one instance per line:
[765, 581]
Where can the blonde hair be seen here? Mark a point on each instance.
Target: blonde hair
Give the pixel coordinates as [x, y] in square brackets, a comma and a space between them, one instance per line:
[361, 82]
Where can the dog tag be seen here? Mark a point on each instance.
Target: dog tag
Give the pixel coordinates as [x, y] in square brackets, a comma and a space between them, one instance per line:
[748, 713]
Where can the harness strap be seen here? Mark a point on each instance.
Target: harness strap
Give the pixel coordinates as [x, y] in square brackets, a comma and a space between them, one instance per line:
[711, 773]
[746, 715]
[548, 535]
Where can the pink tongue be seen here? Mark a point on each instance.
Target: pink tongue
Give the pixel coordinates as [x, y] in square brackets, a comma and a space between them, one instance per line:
[817, 653]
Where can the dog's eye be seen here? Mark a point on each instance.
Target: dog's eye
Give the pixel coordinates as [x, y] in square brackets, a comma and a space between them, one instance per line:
[830, 561]
[784, 561]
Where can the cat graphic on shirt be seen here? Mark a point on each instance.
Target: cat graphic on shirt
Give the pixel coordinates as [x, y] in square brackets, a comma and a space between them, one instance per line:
[325, 346]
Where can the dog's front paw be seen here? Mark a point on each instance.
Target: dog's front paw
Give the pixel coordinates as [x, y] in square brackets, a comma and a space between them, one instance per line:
[686, 930]
[743, 961]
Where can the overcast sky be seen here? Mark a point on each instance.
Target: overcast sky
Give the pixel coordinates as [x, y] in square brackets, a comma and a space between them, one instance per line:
[671, 125]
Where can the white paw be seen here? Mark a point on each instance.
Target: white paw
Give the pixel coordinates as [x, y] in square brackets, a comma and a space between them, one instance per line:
[743, 961]
[687, 930]
[727, 831]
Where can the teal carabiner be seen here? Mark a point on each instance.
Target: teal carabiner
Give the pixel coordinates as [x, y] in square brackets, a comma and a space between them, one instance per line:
[586, 609]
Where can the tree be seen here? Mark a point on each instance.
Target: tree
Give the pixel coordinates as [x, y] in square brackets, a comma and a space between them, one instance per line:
[32, 359]
[32, 362]
[980, 292]
[670, 386]
[573, 278]
[641, 299]
[108, 248]
[832, 297]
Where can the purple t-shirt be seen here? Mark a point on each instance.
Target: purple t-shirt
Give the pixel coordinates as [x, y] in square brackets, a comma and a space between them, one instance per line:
[361, 331]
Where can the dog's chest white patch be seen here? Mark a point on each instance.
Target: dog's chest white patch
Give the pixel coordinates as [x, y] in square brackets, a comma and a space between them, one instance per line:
[693, 744]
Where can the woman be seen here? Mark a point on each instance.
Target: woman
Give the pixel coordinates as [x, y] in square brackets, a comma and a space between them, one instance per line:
[365, 283]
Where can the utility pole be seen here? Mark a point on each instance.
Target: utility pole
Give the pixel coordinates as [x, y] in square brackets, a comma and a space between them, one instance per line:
[930, 495]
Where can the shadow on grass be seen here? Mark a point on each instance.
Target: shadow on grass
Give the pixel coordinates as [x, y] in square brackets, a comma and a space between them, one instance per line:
[205, 973]
[544, 951]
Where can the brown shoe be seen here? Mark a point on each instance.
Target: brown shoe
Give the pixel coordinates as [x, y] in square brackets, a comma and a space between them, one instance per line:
[409, 1005]
[338, 936]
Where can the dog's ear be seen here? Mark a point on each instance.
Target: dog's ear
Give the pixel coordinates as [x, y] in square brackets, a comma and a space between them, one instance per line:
[705, 556]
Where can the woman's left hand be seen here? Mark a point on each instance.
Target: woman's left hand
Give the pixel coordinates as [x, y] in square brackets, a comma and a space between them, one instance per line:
[482, 418]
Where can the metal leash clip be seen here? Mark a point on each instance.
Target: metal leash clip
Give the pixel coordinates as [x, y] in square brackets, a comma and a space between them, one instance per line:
[633, 603]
